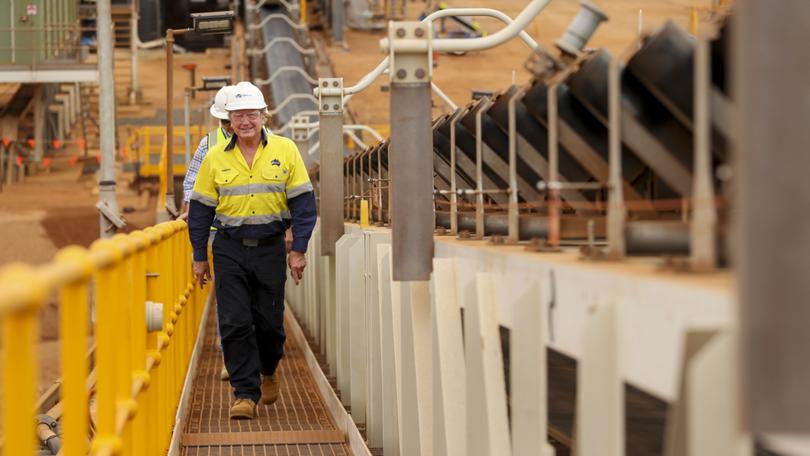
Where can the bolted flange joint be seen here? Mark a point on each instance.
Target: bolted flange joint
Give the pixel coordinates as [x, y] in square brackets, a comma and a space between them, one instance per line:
[330, 95]
[409, 46]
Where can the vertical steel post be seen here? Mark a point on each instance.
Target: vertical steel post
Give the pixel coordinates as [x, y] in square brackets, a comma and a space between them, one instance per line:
[479, 169]
[411, 154]
[330, 105]
[187, 123]
[553, 169]
[106, 109]
[39, 121]
[773, 212]
[337, 20]
[616, 211]
[514, 221]
[134, 93]
[703, 251]
[167, 212]
[453, 173]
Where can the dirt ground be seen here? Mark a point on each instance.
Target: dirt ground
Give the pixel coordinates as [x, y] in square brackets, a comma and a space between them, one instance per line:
[492, 70]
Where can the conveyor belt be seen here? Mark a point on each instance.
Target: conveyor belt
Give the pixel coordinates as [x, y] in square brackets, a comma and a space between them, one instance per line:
[298, 424]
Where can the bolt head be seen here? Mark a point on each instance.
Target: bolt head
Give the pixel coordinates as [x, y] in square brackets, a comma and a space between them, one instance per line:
[336, 107]
[401, 74]
[420, 32]
[325, 84]
[335, 84]
[325, 107]
[420, 73]
[400, 33]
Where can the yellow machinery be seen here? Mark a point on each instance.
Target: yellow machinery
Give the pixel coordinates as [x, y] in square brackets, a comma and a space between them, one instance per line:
[148, 147]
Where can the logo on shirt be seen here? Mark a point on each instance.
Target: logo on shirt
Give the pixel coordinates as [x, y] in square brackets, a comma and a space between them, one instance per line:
[275, 162]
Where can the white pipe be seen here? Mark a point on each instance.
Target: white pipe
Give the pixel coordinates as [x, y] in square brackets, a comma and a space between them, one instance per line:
[483, 12]
[294, 96]
[473, 44]
[286, 68]
[443, 96]
[270, 17]
[281, 39]
[488, 12]
[288, 125]
[356, 139]
[314, 127]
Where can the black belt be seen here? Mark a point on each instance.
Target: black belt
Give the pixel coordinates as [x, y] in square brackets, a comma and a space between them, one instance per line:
[251, 242]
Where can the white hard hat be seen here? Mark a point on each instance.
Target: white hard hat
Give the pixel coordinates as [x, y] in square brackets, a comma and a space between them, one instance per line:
[245, 96]
[218, 108]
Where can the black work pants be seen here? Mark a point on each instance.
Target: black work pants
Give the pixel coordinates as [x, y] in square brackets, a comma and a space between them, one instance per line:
[249, 285]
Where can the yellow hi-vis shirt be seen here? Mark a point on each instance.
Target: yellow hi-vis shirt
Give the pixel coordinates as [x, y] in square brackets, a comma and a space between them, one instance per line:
[254, 194]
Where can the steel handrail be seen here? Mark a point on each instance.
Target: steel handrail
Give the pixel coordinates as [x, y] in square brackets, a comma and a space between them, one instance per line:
[281, 39]
[292, 97]
[371, 76]
[285, 69]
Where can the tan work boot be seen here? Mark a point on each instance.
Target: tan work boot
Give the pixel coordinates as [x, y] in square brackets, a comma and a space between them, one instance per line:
[223, 374]
[269, 389]
[243, 409]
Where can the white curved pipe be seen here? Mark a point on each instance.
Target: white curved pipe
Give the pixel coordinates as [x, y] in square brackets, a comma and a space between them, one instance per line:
[474, 44]
[314, 127]
[270, 17]
[354, 137]
[286, 68]
[482, 12]
[294, 96]
[281, 39]
[443, 96]
[288, 125]
[487, 12]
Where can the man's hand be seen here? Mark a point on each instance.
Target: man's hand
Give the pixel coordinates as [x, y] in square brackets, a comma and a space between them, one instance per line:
[202, 272]
[183, 216]
[297, 262]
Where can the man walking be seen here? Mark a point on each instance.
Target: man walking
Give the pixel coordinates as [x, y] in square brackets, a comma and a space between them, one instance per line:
[251, 189]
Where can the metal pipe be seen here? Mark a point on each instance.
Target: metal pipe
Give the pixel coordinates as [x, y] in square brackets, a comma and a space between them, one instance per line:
[644, 237]
[479, 168]
[473, 44]
[270, 17]
[106, 109]
[187, 123]
[704, 213]
[291, 97]
[370, 77]
[284, 69]
[281, 39]
[443, 96]
[553, 167]
[616, 210]
[482, 12]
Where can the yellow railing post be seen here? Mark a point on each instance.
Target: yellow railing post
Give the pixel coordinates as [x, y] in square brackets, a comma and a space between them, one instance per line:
[140, 376]
[106, 356]
[74, 319]
[20, 331]
[122, 282]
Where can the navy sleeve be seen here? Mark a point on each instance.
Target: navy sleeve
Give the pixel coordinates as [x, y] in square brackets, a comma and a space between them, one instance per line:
[200, 218]
[304, 214]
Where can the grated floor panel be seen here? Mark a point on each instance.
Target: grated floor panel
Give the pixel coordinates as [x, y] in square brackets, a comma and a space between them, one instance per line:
[297, 424]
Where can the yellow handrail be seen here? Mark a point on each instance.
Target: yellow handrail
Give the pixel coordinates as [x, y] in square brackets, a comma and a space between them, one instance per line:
[139, 375]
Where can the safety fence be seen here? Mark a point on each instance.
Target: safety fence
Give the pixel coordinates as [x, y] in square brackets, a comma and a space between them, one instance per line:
[138, 292]
[458, 364]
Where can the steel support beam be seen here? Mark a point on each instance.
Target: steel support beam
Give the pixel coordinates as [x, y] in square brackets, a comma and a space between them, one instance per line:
[331, 169]
[410, 158]
[773, 212]
[106, 109]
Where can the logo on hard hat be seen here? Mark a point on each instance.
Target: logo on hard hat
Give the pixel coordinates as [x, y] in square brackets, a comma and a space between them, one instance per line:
[240, 95]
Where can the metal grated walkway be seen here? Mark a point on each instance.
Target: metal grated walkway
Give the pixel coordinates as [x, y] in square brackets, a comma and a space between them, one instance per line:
[297, 424]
